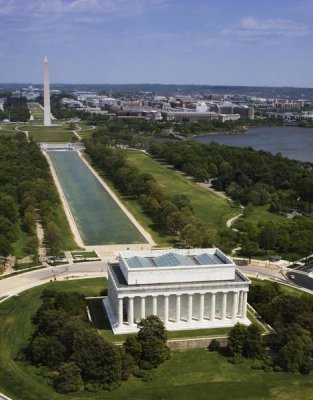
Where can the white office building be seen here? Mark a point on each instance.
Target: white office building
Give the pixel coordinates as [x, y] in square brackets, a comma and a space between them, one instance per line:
[186, 288]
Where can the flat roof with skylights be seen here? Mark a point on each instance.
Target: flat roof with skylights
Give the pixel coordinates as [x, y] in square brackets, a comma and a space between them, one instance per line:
[175, 265]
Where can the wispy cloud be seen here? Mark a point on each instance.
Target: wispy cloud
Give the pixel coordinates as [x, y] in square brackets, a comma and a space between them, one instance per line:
[54, 8]
[251, 30]
[7, 7]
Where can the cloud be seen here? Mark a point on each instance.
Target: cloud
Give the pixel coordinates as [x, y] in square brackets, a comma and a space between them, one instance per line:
[105, 8]
[7, 7]
[251, 30]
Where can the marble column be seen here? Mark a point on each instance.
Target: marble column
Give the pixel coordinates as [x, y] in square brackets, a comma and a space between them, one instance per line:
[212, 313]
[201, 307]
[130, 311]
[235, 305]
[120, 312]
[240, 303]
[165, 309]
[178, 301]
[143, 308]
[224, 306]
[189, 316]
[154, 305]
[244, 305]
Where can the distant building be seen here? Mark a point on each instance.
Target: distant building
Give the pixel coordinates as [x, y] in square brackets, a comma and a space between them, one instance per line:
[187, 289]
[180, 115]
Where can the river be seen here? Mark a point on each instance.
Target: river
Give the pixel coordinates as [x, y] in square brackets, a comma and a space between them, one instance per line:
[292, 142]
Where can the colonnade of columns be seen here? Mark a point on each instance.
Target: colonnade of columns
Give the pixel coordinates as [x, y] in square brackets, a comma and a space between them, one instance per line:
[238, 307]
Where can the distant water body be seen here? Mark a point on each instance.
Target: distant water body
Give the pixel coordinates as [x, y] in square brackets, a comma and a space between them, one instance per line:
[292, 142]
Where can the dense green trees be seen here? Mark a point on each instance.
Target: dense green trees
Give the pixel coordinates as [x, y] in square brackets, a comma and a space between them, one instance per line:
[67, 343]
[26, 193]
[291, 319]
[16, 109]
[253, 178]
[172, 214]
[149, 348]
[246, 341]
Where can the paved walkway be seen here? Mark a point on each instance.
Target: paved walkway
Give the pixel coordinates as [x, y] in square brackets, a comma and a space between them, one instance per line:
[18, 283]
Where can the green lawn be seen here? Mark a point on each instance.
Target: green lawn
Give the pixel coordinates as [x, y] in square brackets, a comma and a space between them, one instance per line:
[86, 131]
[261, 214]
[210, 208]
[36, 111]
[48, 133]
[60, 219]
[191, 374]
[287, 290]
[8, 127]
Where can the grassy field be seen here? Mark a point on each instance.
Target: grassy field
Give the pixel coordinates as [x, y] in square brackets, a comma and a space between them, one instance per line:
[48, 133]
[85, 131]
[261, 214]
[8, 129]
[192, 374]
[36, 111]
[210, 208]
[287, 290]
[60, 219]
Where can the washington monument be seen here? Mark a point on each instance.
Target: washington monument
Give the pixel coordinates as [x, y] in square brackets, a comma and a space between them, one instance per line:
[46, 88]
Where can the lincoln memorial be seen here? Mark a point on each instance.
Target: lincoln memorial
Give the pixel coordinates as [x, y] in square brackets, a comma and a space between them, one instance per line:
[186, 288]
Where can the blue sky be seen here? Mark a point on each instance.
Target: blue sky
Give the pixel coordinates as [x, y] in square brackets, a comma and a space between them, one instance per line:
[215, 42]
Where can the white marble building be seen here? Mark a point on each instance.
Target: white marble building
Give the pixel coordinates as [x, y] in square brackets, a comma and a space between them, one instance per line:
[187, 289]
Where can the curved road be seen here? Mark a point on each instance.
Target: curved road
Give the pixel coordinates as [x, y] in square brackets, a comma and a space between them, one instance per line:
[18, 283]
[300, 279]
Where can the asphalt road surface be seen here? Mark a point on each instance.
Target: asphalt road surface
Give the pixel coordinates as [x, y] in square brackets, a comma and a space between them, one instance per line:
[300, 279]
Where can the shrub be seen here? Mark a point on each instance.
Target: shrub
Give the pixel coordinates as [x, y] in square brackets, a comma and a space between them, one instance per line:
[214, 345]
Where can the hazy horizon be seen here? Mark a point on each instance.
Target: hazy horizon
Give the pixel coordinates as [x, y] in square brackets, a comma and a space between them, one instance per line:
[225, 43]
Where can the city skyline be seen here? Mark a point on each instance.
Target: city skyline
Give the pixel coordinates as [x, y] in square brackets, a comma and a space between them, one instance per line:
[158, 41]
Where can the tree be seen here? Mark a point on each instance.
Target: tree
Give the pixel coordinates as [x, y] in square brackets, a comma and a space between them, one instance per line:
[296, 355]
[268, 236]
[236, 339]
[97, 358]
[249, 248]
[253, 345]
[69, 379]
[128, 364]
[214, 345]
[132, 346]
[152, 337]
[150, 328]
[47, 350]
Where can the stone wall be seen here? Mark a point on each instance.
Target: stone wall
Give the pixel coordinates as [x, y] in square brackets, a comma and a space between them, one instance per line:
[196, 343]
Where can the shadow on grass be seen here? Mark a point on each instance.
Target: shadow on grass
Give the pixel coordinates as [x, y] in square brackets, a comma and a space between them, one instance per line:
[98, 314]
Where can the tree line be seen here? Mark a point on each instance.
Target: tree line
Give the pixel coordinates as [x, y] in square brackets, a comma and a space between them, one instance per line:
[171, 214]
[27, 192]
[291, 319]
[253, 178]
[16, 109]
[289, 347]
[65, 342]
